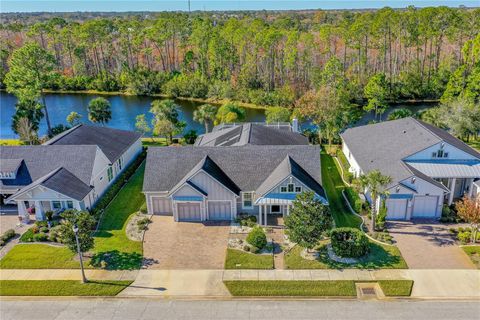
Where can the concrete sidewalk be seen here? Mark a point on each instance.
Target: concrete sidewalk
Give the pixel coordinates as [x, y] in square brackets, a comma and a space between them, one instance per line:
[66, 274]
[435, 283]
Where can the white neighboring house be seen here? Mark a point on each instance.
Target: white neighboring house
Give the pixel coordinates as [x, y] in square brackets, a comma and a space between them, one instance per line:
[72, 170]
[428, 166]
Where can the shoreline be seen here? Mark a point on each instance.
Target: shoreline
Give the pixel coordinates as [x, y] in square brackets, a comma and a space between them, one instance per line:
[217, 102]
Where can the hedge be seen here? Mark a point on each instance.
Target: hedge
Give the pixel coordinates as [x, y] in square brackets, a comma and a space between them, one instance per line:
[117, 185]
[354, 199]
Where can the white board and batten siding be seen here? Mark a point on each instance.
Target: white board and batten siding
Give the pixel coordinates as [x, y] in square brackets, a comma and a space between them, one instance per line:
[453, 153]
[354, 166]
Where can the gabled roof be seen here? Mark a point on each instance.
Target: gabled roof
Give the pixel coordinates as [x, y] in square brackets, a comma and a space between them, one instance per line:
[113, 142]
[286, 168]
[253, 134]
[384, 146]
[39, 161]
[9, 165]
[246, 167]
[62, 181]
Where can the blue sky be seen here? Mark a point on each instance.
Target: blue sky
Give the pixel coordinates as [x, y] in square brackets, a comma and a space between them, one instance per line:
[175, 5]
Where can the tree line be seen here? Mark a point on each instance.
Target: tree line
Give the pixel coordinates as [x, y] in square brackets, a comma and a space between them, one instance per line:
[325, 66]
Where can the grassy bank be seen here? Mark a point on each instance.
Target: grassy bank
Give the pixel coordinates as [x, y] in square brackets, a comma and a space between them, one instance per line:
[320, 288]
[61, 288]
[473, 252]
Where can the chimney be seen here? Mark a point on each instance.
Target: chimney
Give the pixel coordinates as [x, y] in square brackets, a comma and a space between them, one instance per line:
[295, 125]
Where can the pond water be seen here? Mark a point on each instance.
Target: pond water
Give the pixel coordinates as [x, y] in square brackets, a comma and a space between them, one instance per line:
[124, 111]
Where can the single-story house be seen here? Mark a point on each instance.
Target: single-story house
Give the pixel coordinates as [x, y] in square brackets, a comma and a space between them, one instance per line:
[428, 166]
[72, 170]
[258, 133]
[217, 183]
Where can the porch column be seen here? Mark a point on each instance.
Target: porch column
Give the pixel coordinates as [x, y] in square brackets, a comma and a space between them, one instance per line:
[452, 190]
[265, 221]
[288, 209]
[260, 214]
[470, 189]
[39, 211]
[22, 212]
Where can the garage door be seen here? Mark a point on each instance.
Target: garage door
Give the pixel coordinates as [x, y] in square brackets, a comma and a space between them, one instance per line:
[189, 211]
[219, 210]
[424, 207]
[162, 206]
[396, 209]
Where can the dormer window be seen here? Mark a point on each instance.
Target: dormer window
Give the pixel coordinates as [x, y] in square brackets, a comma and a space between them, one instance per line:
[440, 154]
[291, 188]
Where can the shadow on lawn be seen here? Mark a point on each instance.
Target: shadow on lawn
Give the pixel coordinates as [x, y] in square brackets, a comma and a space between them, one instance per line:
[116, 260]
[378, 258]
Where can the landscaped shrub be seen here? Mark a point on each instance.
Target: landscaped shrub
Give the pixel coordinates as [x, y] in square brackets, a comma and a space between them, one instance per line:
[355, 201]
[27, 236]
[464, 237]
[54, 234]
[6, 236]
[40, 237]
[35, 229]
[257, 238]
[349, 242]
[143, 223]
[247, 220]
[449, 215]
[190, 136]
[381, 216]
[44, 229]
[117, 185]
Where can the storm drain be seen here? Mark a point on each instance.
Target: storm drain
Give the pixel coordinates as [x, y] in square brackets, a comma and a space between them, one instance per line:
[367, 290]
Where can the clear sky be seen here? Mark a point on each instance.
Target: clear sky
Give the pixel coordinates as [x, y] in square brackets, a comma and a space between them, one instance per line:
[182, 5]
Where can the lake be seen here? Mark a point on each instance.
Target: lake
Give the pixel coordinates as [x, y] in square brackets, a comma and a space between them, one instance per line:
[124, 111]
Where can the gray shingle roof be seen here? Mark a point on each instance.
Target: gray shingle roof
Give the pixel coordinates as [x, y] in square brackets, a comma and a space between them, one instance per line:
[112, 142]
[39, 161]
[253, 134]
[382, 146]
[247, 166]
[9, 165]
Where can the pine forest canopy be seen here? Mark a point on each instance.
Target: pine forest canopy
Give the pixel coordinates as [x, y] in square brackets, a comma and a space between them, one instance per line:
[260, 57]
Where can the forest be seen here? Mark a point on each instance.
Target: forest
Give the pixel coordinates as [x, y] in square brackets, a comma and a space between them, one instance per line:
[321, 65]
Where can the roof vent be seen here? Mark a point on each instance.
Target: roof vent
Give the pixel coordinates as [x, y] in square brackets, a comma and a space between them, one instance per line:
[404, 131]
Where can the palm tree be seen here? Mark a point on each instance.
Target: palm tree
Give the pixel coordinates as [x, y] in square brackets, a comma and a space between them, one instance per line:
[374, 182]
[205, 114]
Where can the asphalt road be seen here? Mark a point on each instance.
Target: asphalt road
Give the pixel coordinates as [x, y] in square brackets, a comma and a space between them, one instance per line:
[123, 309]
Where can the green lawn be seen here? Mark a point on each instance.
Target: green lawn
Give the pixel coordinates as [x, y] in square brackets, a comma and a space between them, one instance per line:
[474, 144]
[333, 184]
[39, 256]
[10, 142]
[396, 288]
[473, 253]
[340, 288]
[155, 142]
[246, 260]
[111, 242]
[380, 257]
[61, 288]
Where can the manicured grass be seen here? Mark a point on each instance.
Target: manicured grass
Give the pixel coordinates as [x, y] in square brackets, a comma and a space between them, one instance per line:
[316, 288]
[333, 184]
[380, 257]
[474, 144]
[61, 288]
[10, 142]
[473, 253]
[111, 242]
[396, 288]
[155, 142]
[39, 256]
[340, 288]
[247, 260]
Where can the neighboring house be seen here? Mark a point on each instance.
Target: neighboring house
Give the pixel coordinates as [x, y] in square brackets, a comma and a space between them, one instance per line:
[72, 170]
[428, 166]
[217, 183]
[253, 134]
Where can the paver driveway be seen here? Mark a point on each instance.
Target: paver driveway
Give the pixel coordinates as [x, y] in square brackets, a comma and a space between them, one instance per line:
[184, 245]
[428, 245]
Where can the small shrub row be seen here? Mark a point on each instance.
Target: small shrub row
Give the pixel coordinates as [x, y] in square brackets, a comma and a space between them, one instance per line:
[142, 224]
[449, 215]
[349, 242]
[6, 236]
[246, 220]
[464, 235]
[355, 201]
[117, 185]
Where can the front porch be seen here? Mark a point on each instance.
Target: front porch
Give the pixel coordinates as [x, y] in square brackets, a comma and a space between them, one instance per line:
[40, 207]
[272, 211]
[459, 187]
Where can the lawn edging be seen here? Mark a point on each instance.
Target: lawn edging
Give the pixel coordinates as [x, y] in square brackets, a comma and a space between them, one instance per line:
[315, 288]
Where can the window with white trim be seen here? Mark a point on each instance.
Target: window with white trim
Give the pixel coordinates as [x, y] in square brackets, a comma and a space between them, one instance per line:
[69, 204]
[247, 200]
[56, 205]
[110, 173]
[291, 188]
[298, 189]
